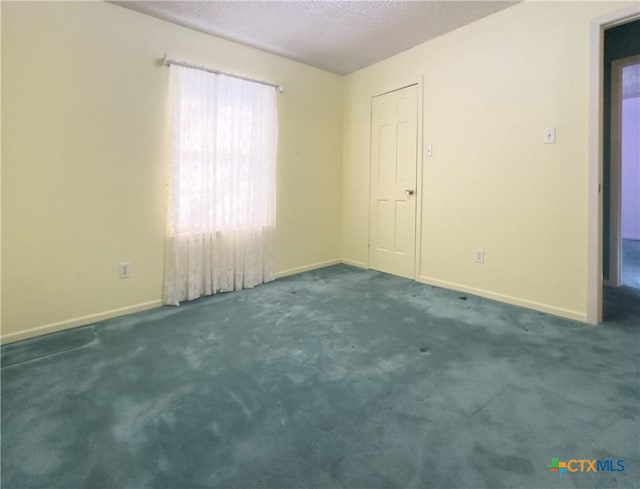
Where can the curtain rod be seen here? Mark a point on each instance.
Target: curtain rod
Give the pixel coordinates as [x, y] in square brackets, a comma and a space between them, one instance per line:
[170, 61]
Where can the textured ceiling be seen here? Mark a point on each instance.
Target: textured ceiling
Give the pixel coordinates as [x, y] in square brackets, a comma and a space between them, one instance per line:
[338, 36]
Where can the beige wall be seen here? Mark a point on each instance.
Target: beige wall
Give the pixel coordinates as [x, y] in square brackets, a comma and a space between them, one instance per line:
[85, 140]
[489, 89]
[85, 159]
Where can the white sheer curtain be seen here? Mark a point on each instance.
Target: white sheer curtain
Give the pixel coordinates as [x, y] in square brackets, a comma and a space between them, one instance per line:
[222, 185]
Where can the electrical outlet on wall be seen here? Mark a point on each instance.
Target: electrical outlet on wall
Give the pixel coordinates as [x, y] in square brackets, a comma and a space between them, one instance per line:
[125, 269]
[478, 256]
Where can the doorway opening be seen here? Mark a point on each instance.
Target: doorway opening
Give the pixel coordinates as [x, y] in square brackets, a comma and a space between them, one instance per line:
[621, 156]
[598, 231]
[627, 141]
[620, 170]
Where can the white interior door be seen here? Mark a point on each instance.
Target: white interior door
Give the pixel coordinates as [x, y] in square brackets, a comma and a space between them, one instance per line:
[394, 151]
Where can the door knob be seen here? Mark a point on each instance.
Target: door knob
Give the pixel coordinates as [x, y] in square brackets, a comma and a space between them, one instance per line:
[409, 191]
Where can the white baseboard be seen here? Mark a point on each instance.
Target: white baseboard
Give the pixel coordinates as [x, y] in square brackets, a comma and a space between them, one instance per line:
[516, 301]
[354, 263]
[306, 268]
[101, 316]
[79, 321]
[93, 318]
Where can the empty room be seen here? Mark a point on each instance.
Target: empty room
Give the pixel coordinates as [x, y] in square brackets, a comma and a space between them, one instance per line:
[320, 244]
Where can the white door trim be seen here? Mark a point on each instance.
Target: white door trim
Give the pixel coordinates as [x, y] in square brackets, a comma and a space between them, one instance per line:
[419, 182]
[594, 179]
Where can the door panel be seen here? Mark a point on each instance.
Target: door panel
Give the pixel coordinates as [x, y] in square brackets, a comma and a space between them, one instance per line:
[385, 218]
[405, 166]
[394, 137]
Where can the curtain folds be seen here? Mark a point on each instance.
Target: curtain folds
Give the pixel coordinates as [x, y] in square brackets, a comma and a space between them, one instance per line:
[221, 221]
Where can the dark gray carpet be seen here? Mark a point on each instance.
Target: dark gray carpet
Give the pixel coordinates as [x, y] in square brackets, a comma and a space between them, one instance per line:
[334, 378]
[631, 263]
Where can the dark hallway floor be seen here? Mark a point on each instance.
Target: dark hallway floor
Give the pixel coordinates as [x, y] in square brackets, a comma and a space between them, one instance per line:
[335, 378]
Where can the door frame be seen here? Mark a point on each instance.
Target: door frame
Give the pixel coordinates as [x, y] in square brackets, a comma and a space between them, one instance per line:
[595, 164]
[615, 199]
[419, 161]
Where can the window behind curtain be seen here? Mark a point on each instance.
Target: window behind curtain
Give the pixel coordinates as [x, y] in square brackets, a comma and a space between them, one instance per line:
[222, 184]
